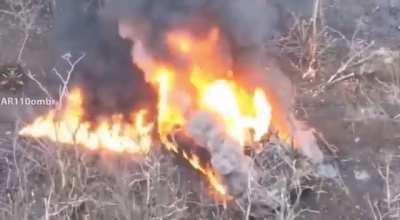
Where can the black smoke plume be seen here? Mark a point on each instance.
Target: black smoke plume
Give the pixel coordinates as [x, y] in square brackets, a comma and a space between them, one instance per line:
[246, 26]
[113, 83]
[109, 80]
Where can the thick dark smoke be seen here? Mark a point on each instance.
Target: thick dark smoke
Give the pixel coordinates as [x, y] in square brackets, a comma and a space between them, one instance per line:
[107, 76]
[246, 26]
[114, 84]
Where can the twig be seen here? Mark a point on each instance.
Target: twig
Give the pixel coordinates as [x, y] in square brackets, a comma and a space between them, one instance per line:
[388, 188]
[249, 192]
[25, 15]
[337, 80]
[47, 202]
[313, 42]
[332, 148]
[348, 64]
[38, 83]
[372, 208]
[14, 144]
[65, 80]
[22, 48]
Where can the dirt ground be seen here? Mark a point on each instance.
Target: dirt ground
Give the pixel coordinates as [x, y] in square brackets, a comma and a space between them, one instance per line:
[357, 118]
[360, 120]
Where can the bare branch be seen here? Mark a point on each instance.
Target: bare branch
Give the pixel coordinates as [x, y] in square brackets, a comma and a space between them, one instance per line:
[65, 79]
[38, 83]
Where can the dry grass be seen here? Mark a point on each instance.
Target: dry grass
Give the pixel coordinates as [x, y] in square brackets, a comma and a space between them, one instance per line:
[44, 180]
[388, 207]
[52, 181]
[371, 73]
[337, 59]
[283, 175]
[307, 42]
[47, 180]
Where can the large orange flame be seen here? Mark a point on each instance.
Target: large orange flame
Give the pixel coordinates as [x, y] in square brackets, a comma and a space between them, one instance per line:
[208, 85]
[203, 83]
[114, 134]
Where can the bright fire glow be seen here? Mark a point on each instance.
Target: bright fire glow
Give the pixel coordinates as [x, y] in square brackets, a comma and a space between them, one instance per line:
[204, 83]
[113, 134]
[245, 112]
[237, 123]
[213, 179]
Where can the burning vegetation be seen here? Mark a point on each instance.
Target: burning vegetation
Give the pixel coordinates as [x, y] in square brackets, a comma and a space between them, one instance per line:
[68, 126]
[211, 104]
[243, 115]
[191, 109]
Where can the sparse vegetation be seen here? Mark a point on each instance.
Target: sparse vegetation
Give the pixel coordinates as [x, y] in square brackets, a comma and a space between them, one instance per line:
[22, 16]
[49, 181]
[355, 86]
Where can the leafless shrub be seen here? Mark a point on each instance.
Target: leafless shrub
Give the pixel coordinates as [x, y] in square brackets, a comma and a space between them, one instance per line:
[282, 174]
[53, 181]
[385, 65]
[47, 181]
[22, 16]
[64, 77]
[63, 89]
[389, 206]
[359, 52]
[374, 73]
[307, 41]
